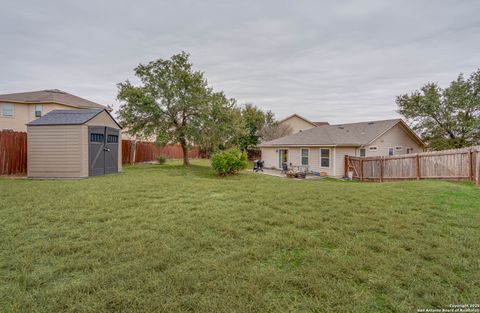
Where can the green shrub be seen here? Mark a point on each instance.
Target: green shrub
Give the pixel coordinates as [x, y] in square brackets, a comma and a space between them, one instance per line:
[161, 159]
[229, 162]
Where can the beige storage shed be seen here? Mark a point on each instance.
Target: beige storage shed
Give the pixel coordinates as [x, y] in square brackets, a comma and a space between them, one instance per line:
[74, 144]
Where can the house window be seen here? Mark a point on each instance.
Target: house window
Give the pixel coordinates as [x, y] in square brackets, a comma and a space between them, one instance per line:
[373, 148]
[363, 152]
[409, 150]
[398, 148]
[305, 156]
[325, 158]
[38, 110]
[390, 151]
[7, 110]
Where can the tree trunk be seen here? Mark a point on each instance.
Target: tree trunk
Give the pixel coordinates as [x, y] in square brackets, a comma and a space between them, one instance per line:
[183, 143]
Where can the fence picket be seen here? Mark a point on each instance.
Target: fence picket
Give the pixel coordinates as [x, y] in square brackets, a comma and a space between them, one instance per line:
[13, 153]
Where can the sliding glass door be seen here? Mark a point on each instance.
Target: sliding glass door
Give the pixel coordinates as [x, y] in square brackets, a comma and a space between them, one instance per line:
[282, 157]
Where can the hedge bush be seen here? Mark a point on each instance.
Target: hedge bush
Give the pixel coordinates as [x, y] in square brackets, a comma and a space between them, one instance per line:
[229, 162]
[161, 159]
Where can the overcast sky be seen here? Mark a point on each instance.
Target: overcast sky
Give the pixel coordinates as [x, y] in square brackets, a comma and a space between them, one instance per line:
[336, 62]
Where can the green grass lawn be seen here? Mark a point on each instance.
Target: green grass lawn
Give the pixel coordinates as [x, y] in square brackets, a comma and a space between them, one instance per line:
[169, 239]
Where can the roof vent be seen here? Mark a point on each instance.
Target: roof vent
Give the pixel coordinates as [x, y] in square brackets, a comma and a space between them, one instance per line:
[341, 127]
[54, 90]
[371, 123]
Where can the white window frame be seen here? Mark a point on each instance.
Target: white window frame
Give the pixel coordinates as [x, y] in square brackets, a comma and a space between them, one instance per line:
[36, 110]
[308, 156]
[409, 150]
[398, 148]
[13, 110]
[360, 152]
[329, 157]
[373, 148]
[278, 156]
[393, 151]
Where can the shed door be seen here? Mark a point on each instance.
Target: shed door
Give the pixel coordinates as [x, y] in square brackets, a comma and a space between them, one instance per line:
[96, 153]
[102, 150]
[111, 150]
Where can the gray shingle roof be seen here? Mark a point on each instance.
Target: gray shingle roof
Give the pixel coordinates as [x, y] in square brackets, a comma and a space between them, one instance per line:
[352, 134]
[66, 117]
[49, 96]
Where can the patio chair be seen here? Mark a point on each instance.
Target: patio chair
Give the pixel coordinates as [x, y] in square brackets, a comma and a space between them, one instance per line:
[284, 167]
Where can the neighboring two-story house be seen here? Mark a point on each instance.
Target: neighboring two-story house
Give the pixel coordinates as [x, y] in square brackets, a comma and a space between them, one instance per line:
[18, 109]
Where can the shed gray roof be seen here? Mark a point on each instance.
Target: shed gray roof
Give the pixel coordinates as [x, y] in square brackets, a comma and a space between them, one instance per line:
[67, 117]
[352, 134]
[51, 96]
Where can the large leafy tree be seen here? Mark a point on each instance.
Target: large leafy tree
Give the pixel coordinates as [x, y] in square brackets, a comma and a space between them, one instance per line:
[221, 124]
[274, 131]
[253, 120]
[170, 103]
[445, 118]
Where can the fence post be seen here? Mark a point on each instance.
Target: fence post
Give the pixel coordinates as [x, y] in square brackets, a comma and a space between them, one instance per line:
[361, 170]
[133, 151]
[418, 166]
[477, 167]
[346, 165]
[471, 171]
[382, 164]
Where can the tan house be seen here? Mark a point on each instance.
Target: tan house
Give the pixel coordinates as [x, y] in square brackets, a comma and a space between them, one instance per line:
[298, 123]
[19, 109]
[323, 148]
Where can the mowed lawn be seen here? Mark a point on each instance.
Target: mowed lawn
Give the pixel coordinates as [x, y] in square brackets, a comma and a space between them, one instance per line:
[168, 239]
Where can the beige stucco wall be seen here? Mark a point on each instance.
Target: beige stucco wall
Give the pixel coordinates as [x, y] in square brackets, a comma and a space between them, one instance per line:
[270, 157]
[397, 136]
[25, 113]
[56, 151]
[297, 124]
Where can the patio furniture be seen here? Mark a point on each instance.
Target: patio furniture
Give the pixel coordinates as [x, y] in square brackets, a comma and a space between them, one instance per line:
[301, 175]
[290, 174]
[258, 165]
[300, 171]
[285, 167]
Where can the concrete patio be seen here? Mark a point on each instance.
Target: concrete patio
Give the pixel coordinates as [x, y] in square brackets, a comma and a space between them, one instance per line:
[279, 173]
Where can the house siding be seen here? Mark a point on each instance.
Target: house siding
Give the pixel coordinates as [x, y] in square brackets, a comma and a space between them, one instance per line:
[270, 157]
[297, 124]
[396, 136]
[56, 151]
[24, 114]
[340, 154]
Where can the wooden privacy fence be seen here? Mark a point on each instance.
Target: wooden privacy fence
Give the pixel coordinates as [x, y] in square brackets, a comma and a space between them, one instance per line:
[459, 164]
[139, 151]
[13, 153]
